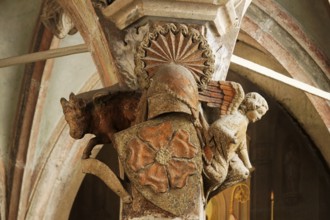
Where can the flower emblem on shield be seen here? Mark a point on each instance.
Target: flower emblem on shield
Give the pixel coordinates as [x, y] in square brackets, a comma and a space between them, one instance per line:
[161, 157]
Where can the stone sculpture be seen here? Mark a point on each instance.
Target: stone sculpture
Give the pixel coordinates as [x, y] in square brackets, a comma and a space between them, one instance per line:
[228, 162]
[167, 148]
[161, 155]
[103, 116]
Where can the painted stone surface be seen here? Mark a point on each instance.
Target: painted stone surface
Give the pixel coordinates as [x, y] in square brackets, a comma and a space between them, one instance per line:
[162, 158]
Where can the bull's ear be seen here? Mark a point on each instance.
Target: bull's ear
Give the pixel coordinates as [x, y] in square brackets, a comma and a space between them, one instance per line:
[72, 96]
[64, 102]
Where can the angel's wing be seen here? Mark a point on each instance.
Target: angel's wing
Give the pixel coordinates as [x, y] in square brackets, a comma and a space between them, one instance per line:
[225, 95]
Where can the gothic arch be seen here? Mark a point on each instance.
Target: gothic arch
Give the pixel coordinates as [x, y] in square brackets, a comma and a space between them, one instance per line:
[280, 36]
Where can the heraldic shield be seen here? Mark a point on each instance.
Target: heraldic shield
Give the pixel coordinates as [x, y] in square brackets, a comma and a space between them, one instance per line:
[162, 158]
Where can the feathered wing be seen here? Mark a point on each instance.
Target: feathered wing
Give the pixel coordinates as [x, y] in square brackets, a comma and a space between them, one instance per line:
[225, 95]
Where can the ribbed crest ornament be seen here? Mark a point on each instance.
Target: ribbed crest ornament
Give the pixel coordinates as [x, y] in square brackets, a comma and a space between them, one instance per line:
[177, 44]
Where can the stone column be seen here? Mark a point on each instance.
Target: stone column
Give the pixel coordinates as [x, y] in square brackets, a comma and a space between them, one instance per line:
[170, 51]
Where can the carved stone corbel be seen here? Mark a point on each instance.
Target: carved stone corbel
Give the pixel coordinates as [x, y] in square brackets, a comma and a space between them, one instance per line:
[173, 60]
[134, 19]
[221, 13]
[56, 19]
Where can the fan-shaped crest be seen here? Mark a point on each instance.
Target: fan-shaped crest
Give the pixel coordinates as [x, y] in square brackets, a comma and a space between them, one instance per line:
[177, 44]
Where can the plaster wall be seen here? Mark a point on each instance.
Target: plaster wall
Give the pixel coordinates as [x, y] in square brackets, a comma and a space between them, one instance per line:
[68, 75]
[17, 22]
[76, 73]
[314, 19]
[62, 76]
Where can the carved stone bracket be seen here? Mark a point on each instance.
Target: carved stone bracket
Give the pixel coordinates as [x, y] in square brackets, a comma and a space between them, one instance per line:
[221, 13]
[174, 52]
[214, 23]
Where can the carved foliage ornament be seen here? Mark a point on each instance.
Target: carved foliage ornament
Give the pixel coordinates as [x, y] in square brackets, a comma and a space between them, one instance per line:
[177, 44]
[55, 19]
[125, 51]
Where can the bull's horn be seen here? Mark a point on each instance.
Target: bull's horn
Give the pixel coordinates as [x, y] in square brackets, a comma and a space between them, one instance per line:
[64, 102]
[72, 96]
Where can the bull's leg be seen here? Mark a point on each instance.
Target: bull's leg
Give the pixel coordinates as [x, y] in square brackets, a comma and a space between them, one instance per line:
[91, 144]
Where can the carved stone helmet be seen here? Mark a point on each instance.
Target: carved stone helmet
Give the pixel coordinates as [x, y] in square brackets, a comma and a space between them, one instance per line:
[172, 89]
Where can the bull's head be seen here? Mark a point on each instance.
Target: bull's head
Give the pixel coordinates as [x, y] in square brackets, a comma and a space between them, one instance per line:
[76, 115]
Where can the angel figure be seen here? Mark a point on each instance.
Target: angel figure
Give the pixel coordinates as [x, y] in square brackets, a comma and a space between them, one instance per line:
[226, 155]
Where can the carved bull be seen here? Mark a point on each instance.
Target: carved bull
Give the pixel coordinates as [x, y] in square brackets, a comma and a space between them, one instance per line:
[103, 116]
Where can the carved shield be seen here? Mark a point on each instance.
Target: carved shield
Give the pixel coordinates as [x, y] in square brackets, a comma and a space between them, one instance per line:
[162, 158]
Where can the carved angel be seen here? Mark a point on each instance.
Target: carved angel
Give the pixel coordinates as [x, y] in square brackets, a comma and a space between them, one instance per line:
[226, 156]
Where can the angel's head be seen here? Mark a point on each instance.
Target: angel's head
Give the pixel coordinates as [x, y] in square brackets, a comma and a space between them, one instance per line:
[254, 106]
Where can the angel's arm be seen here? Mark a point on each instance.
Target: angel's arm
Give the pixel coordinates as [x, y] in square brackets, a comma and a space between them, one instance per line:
[244, 155]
